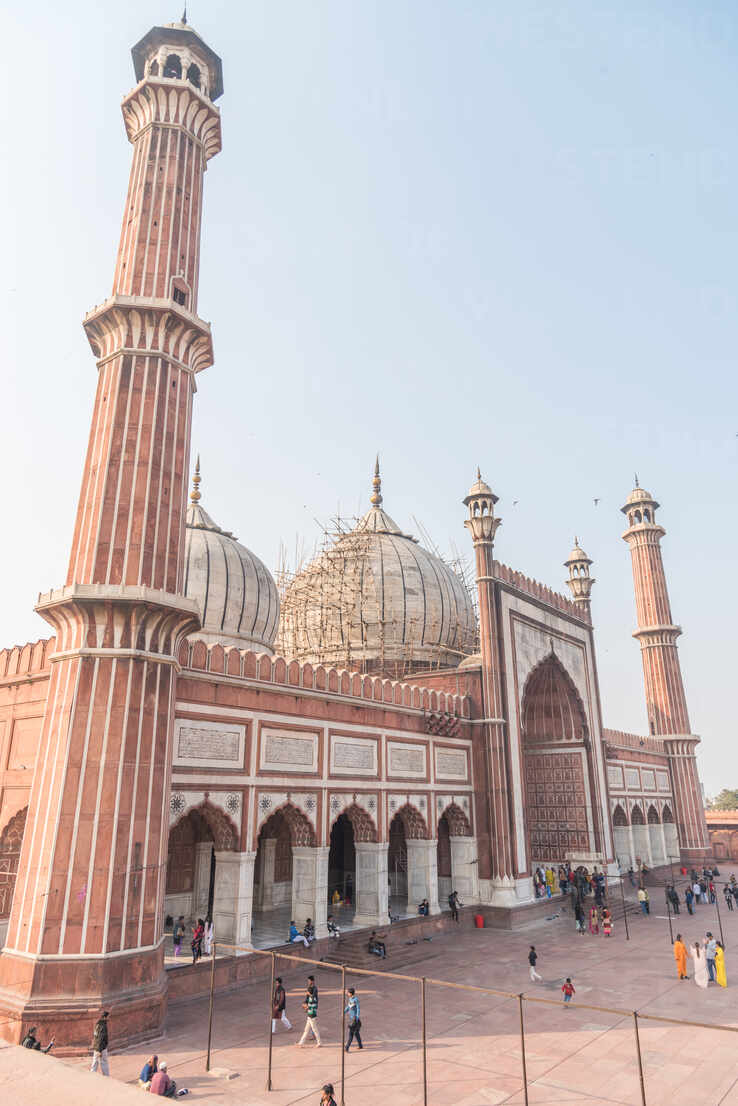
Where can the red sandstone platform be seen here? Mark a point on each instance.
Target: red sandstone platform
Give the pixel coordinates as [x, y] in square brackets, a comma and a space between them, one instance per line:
[574, 1057]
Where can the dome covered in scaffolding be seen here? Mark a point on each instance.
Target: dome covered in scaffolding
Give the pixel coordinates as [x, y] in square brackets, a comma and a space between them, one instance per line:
[374, 600]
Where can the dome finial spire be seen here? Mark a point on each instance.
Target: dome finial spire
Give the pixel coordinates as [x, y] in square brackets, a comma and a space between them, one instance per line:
[195, 493]
[636, 480]
[376, 496]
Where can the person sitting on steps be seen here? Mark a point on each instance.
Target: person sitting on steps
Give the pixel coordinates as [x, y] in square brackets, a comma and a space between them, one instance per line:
[376, 945]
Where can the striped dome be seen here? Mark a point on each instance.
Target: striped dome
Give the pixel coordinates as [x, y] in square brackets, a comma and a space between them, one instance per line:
[375, 600]
[237, 596]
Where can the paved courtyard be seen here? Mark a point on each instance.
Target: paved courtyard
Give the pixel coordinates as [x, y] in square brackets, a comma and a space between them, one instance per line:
[574, 1056]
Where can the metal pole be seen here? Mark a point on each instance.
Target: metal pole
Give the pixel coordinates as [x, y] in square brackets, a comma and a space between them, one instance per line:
[625, 910]
[212, 1000]
[343, 1033]
[269, 1029]
[425, 1051]
[640, 1061]
[522, 1050]
[720, 921]
[668, 914]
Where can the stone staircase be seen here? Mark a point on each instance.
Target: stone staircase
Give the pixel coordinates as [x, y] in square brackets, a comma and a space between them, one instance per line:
[351, 951]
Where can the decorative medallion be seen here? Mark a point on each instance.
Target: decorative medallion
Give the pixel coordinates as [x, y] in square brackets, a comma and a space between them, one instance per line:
[177, 803]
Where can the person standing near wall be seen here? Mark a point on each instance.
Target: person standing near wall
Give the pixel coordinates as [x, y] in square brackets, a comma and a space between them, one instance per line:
[100, 1045]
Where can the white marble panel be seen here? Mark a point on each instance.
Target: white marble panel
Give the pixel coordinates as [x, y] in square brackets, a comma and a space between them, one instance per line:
[215, 744]
[288, 751]
[353, 756]
[406, 760]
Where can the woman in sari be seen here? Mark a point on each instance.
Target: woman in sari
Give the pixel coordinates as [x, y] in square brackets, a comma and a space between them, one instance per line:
[720, 972]
[594, 921]
[196, 943]
[606, 922]
[700, 965]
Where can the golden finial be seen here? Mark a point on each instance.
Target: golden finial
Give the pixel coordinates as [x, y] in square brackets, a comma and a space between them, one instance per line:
[376, 496]
[195, 493]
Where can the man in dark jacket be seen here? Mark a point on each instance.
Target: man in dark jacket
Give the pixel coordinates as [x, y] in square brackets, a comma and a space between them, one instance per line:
[279, 1005]
[100, 1045]
[30, 1041]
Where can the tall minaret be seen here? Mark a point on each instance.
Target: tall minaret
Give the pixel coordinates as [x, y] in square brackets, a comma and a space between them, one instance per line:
[87, 915]
[666, 703]
[482, 525]
[580, 582]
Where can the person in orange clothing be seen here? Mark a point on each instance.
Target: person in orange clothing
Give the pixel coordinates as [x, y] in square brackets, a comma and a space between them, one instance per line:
[680, 955]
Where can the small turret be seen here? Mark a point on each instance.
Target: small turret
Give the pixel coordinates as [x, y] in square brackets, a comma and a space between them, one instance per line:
[481, 523]
[580, 582]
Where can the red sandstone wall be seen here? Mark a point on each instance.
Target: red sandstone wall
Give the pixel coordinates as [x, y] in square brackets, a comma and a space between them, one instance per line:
[24, 677]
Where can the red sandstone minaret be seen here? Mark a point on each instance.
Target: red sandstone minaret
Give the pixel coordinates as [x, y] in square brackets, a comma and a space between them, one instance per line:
[87, 916]
[482, 524]
[666, 702]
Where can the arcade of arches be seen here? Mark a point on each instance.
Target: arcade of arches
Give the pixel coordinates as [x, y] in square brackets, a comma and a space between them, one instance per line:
[290, 874]
[649, 836]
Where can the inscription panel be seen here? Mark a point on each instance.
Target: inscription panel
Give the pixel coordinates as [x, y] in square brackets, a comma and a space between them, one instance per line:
[288, 751]
[220, 744]
[353, 756]
[451, 764]
[632, 779]
[614, 776]
[406, 760]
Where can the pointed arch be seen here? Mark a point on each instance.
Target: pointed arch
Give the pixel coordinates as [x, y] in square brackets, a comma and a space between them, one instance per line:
[552, 709]
[636, 816]
[653, 816]
[11, 841]
[413, 822]
[301, 829]
[619, 817]
[458, 823]
[362, 823]
[222, 829]
[666, 816]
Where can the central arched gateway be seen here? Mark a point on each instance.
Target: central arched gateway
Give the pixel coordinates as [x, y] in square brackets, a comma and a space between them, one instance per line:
[557, 766]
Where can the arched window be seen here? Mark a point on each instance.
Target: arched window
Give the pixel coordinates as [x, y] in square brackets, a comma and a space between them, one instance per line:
[619, 817]
[173, 67]
[646, 515]
[653, 816]
[636, 817]
[637, 517]
[154, 68]
[193, 75]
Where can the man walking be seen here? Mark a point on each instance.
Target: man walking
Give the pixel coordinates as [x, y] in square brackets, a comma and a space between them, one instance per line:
[710, 951]
[279, 1006]
[310, 1005]
[643, 900]
[354, 1026]
[532, 958]
[100, 1045]
[728, 896]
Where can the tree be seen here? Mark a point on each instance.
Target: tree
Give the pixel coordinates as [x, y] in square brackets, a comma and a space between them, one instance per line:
[726, 800]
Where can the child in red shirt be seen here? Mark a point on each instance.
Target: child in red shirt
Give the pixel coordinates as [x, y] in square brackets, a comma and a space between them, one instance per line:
[568, 989]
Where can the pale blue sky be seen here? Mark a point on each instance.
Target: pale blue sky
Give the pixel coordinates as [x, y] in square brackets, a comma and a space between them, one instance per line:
[458, 233]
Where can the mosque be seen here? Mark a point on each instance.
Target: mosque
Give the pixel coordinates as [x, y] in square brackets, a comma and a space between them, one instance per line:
[192, 739]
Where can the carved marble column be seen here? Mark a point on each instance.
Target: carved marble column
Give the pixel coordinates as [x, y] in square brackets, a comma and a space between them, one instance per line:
[310, 886]
[422, 874]
[465, 869]
[232, 901]
[372, 889]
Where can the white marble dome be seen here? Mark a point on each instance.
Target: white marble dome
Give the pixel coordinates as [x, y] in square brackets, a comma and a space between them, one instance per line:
[377, 601]
[238, 598]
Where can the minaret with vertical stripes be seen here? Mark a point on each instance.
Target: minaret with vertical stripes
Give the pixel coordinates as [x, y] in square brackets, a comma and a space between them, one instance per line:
[666, 703]
[86, 926]
[482, 524]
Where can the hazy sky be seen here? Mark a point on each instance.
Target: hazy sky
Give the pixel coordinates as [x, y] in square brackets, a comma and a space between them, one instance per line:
[458, 233]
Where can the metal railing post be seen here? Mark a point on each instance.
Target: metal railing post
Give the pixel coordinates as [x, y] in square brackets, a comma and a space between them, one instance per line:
[343, 1034]
[625, 909]
[522, 1050]
[212, 1001]
[269, 1023]
[640, 1061]
[425, 1050]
